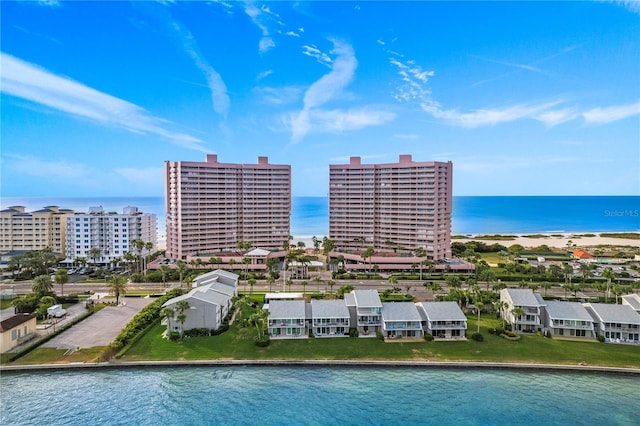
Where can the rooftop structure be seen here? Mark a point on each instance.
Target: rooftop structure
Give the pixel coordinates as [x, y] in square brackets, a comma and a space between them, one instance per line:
[391, 207]
[211, 206]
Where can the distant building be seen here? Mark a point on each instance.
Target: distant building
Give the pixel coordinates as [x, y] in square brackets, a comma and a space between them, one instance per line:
[211, 206]
[394, 207]
[581, 254]
[110, 232]
[27, 231]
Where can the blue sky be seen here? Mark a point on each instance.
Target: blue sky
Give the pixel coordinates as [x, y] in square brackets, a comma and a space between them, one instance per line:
[525, 98]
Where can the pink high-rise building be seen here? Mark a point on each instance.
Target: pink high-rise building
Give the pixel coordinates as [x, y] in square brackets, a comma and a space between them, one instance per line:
[395, 207]
[211, 206]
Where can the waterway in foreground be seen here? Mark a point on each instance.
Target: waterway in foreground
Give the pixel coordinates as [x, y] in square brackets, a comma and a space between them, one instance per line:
[317, 396]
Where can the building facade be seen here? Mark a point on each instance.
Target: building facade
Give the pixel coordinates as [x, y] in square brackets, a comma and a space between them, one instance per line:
[391, 207]
[211, 206]
[109, 232]
[21, 230]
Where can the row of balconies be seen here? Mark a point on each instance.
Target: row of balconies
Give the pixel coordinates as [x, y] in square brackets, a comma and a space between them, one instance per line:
[323, 323]
[438, 325]
[402, 325]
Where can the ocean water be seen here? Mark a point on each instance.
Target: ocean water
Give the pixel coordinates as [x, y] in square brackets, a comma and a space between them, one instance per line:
[317, 396]
[471, 215]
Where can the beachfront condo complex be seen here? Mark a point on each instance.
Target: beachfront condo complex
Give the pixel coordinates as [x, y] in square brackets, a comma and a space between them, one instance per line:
[22, 231]
[211, 206]
[394, 207]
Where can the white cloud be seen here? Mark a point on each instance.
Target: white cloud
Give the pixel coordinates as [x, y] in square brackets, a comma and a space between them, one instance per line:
[611, 113]
[262, 17]
[219, 96]
[315, 53]
[631, 5]
[50, 169]
[336, 121]
[264, 74]
[487, 117]
[292, 34]
[555, 117]
[29, 82]
[50, 3]
[278, 96]
[326, 88]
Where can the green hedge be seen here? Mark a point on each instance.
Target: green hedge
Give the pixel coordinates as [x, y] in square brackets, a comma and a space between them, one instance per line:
[148, 316]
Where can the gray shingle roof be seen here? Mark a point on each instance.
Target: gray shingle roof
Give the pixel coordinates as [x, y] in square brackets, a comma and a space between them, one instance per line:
[633, 300]
[287, 309]
[367, 298]
[349, 299]
[567, 310]
[204, 293]
[442, 311]
[400, 311]
[521, 297]
[329, 309]
[623, 314]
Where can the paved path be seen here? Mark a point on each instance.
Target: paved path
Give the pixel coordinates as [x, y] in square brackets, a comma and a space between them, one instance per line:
[101, 328]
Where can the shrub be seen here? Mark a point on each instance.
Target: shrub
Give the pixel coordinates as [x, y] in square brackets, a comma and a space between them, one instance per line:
[477, 337]
[224, 327]
[428, 337]
[263, 341]
[379, 335]
[195, 332]
[174, 335]
[353, 332]
[601, 338]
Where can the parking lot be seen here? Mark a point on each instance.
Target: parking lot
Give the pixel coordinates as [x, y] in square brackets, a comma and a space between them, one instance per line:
[101, 328]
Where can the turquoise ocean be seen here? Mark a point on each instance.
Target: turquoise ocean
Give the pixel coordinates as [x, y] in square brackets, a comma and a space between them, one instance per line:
[317, 396]
[471, 215]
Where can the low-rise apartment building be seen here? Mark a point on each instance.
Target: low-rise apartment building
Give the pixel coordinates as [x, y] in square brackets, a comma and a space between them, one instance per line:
[401, 320]
[329, 318]
[615, 323]
[567, 319]
[530, 304]
[365, 310]
[443, 320]
[287, 319]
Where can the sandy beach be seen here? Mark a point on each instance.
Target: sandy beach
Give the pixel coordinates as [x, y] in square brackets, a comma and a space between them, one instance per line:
[557, 241]
[551, 240]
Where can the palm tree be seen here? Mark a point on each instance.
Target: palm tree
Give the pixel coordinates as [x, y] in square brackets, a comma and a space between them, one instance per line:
[453, 281]
[368, 254]
[420, 252]
[168, 314]
[485, 275]
[94, 253]
[304, 287]
[251, 282]
[164, 270]
[331, 283]
[318, 280]
[117, 285]
[181, 307]
[616, 290]
[585, 271]
[609, 275]
[62, 277]
[42, 285]
[516, 312]
[328, 245]
[270, 281]
[501, 306]
[181, 267]
[148, 246]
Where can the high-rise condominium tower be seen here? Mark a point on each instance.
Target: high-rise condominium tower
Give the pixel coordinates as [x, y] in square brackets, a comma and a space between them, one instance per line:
[211, 206]
[22, 230]
[395, 207]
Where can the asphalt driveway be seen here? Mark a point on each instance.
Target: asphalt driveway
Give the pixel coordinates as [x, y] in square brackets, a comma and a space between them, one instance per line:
[101, 328]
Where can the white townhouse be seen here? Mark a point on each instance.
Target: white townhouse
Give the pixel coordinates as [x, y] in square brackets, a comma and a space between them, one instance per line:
[329, 318]
[207, 307]
[632, 300]
[443, 320]
[401, 320]
[365, 309]
[530, 303]
[224, 281]
[567, 319]
[616, 323]
[110, 232]
[287, 319]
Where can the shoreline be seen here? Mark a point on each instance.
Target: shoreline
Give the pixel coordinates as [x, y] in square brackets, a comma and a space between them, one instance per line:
[556, 239]
[551, 239]
[328, 363]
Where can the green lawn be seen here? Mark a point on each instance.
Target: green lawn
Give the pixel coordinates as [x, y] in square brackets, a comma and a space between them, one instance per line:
[238, 344]
[57, 356]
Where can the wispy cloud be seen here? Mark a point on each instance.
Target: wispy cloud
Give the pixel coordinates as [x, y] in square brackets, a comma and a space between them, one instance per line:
[264, 74]
[328, 88]
[487, 117]
[555, 117]
[219, 96]
[32, 83]
[278, 96]
[50, 169]
[631, 5]
[611, 113]
[313, 52]
[49, 3]
[413, 80]
[262, 17]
